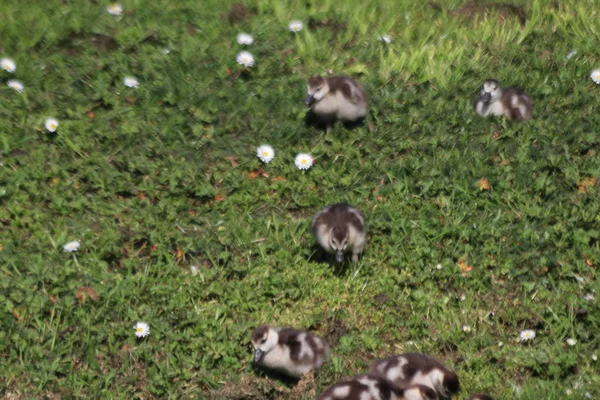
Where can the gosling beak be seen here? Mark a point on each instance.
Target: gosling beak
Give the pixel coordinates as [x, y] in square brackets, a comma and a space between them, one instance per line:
[258, 355]
[339, 256]
[309, 100]
[486, 97]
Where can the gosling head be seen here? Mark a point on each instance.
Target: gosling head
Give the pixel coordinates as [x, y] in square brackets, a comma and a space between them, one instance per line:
[264, 339]
[338, 241]
[316, 89]
[490, 91]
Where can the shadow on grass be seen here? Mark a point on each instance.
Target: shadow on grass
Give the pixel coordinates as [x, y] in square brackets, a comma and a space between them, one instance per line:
[340, 270]
[312, 121]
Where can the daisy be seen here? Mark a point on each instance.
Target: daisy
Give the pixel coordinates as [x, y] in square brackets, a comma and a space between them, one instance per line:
[295, 26]
[131, 82]
[15, 84]
[142, 329]
[595, 75]
[466, 328]
[245, 58]
[166, 51]
[52, 124]
[244, 38]
[72, 246]
[8, 64]
[194, 270]
[438, 266]
[265, 153]
[594, 357]
[303, 161]
[527, 334]
[115, 9]
[385, 38]
[571, 342]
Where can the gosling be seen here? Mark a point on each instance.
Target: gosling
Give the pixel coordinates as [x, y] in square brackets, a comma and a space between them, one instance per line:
[290, 351]
[418, 368]
[340, 228]
[336, 98]
[370, 387]
[513, 103]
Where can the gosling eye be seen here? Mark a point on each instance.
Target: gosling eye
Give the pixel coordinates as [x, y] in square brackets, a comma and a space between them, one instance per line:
[263, 341]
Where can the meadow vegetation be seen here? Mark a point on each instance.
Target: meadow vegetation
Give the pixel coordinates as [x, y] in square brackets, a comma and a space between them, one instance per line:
[478, 228]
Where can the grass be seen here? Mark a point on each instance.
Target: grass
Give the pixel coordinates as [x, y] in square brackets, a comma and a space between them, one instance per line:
[160, 178]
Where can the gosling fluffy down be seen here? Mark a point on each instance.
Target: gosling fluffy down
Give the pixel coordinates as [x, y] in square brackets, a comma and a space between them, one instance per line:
[512, 103]
[371, 387]
[291, 351]
[336, 98]
[417, 369]
[340, 228]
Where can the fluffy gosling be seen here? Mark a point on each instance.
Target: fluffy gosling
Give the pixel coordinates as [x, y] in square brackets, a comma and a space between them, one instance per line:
[370, 387]
[291, 351]
[336, 98]
[513, 103]
[418, 368]
[340, 228]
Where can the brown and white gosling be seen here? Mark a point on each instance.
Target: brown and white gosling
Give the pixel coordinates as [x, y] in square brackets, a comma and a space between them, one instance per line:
[340, 228]
[513, 103]
[336, 98]
[290, 351]
[371, 387]
[418, 369]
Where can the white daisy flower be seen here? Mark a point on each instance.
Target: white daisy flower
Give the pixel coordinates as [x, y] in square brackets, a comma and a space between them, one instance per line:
[15, 84]
[8, 64]
[166, 51]
[245, 38]
[500, 344]
[595, 75]
[466, 328]
[303, 161]
[265, 153]
[51, 124]
[589, 297]
[115, 9]
[142, 329]
[594, 357]
[385, 38]
[295, 26]
[571, 342]
[194, 270]
[438, 267]
[568, 392]
[245, 58]
[131, 82]
[527, 334]
[72, 246]
[571, 54]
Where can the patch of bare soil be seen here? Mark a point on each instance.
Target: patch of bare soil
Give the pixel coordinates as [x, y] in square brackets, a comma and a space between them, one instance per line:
[474, 8]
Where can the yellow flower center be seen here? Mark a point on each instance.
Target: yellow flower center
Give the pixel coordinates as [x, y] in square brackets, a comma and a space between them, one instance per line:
[140, 329]
[265, 153]
[304, 161]
[597, 75]
[53, 126]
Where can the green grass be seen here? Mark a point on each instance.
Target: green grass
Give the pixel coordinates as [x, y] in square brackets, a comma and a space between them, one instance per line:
[156, 179]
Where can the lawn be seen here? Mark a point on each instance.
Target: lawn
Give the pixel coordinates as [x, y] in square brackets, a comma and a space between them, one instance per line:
[479, 228]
